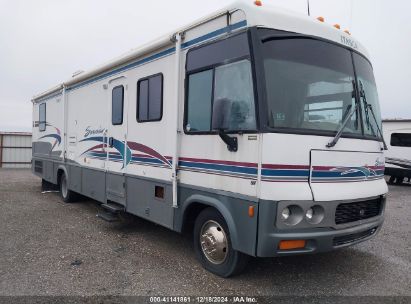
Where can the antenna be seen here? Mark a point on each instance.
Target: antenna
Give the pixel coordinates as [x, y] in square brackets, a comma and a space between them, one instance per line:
[351, 4]
[308, 7]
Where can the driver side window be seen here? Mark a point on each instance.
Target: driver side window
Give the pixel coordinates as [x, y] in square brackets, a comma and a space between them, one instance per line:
[230, 84]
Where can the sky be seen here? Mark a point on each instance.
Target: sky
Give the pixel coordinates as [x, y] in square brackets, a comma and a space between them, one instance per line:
[43, 42]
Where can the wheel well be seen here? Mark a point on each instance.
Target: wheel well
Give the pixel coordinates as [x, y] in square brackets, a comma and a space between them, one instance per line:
[191, 214]
[60, 173]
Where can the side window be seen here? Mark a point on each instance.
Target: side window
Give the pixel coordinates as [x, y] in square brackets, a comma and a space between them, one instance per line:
[199, 101]
[42, 117]
[228, 86]
[150, 98]
[401, 139]
[220, 87]
[233, 83]
[117, 105]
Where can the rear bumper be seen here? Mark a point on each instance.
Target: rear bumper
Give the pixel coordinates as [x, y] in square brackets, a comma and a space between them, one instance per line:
[317, 239]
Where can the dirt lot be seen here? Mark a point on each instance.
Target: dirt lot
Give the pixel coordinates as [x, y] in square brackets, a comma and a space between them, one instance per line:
[51, 248]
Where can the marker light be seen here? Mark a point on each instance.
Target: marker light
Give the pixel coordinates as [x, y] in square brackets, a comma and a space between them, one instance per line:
[258, 3]
[347, 32]
[337, 26]
[285, 214]
[251, 211]
[292, 244]
[321, 19]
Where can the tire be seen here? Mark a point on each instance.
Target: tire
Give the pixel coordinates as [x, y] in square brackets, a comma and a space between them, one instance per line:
[224, 261]
[67, 195]
[391, 180]
[399, 180]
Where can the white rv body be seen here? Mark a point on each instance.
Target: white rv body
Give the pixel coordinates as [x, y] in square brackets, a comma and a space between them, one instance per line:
[397, 135]
[269, 170]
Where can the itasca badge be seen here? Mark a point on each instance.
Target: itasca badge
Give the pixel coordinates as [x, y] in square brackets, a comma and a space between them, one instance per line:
[349, 42]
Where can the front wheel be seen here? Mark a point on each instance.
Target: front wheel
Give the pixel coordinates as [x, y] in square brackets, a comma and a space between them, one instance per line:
[212, 245]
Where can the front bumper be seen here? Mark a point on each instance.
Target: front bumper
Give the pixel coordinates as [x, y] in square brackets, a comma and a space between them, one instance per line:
[317, 239]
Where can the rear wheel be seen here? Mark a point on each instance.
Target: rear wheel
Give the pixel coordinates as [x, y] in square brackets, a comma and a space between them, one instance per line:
[67, 195]
[212, 245]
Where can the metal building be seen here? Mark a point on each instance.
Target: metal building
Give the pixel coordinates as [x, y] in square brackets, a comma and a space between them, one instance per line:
[15, 150]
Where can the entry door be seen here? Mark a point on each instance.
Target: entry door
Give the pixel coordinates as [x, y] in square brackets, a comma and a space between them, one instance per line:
[117, 152]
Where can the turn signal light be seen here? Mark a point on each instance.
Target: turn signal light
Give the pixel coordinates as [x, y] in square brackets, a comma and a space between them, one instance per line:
[347, 32]
[291, 244]
[337, 26]
[321, 19]
[258, 3]
[251, 211]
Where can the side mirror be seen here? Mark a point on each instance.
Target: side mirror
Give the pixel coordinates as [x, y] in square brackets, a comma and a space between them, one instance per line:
[221, 121]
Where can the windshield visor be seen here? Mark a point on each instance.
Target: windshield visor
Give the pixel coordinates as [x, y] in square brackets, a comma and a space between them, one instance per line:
[310, 86]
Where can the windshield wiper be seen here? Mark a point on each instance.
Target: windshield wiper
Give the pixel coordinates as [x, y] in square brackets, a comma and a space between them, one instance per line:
[369, 106]
[345, 122]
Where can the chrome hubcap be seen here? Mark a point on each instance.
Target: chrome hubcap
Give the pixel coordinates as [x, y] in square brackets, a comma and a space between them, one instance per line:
[214, 242]
[64, 186]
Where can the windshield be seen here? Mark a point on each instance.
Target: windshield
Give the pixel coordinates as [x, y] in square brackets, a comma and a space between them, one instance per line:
[310, 85]
[365, 78]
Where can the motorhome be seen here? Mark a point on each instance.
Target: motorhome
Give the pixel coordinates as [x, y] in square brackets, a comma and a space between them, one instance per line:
[255, 128]
[397, 133]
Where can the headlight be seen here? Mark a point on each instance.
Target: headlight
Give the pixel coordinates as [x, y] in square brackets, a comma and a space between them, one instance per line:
[292, 215]
[315, 214]
[309, 214]
[285, 214]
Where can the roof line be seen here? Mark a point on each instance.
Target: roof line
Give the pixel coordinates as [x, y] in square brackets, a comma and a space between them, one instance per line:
[397, 120]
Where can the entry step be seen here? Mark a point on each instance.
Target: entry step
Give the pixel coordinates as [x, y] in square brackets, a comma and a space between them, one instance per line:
[108, 216]
[113, 208]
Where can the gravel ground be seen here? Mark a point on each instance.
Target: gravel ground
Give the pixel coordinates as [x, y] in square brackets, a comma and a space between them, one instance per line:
[51, 248]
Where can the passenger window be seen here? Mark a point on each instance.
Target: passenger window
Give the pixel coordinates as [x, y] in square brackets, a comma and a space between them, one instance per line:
[143, 101]
[150, 99]
[401, 139]
[42, 117]
[117, 105]
[233, 85]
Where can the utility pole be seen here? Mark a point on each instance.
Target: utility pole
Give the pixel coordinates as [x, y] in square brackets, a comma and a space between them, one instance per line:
[308, 7]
